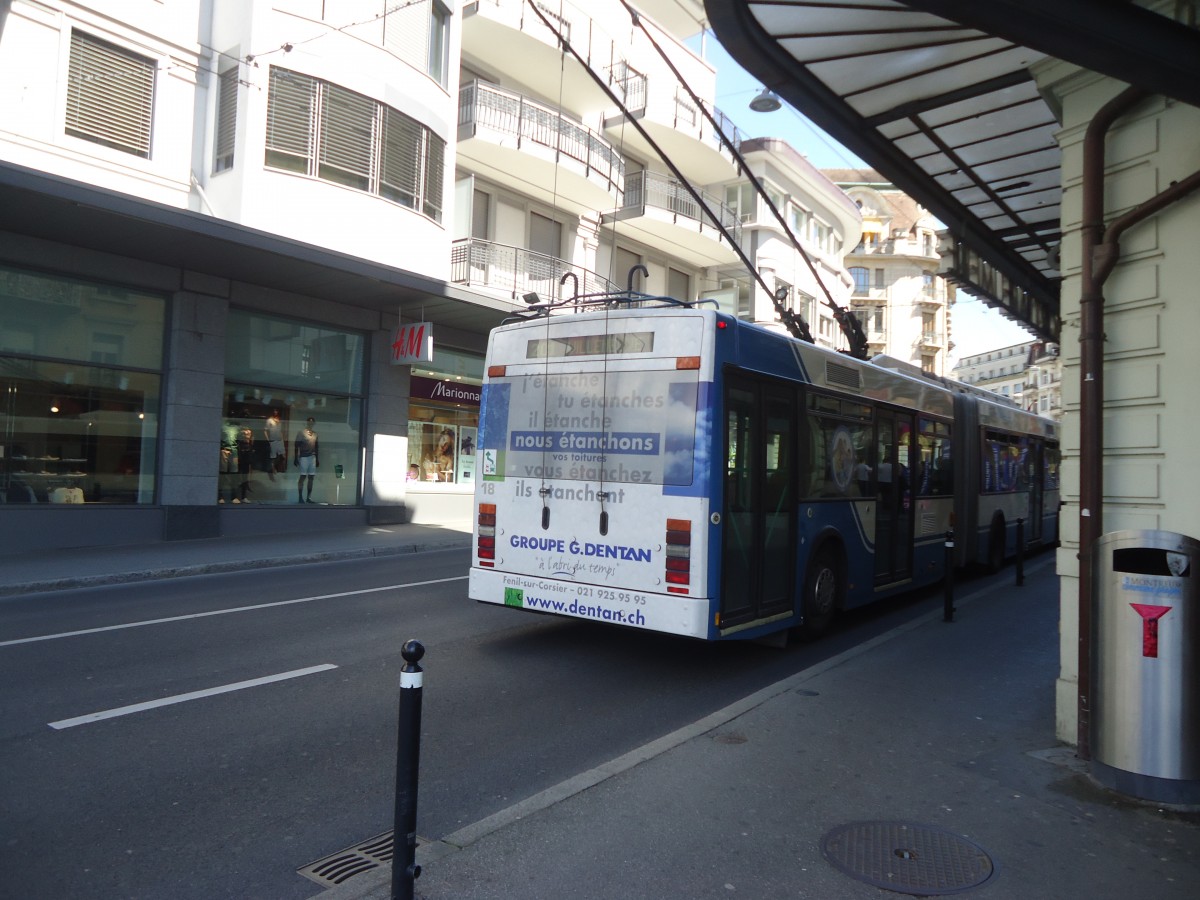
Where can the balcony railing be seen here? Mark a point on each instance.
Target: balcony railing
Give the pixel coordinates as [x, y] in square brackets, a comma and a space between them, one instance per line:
[485, 106]
[731, 132]
[519, 271]
[650, 190]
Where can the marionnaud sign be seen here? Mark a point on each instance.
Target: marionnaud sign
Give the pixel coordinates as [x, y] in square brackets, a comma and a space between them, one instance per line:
[412, 343]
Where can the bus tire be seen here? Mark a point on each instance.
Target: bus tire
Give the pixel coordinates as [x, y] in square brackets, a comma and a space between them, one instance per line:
[822, 593]
[996, 536]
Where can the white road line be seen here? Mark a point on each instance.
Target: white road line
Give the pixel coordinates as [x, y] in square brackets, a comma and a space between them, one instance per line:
[225, 612]
[183, 698]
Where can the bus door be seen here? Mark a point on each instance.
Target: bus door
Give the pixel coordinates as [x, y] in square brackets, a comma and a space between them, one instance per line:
[894, 513]
[1034, 466]
[759, 534]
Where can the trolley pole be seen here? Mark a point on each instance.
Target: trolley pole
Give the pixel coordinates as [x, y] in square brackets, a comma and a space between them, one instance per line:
[405, 871]
[1020, 552]
[948, 582]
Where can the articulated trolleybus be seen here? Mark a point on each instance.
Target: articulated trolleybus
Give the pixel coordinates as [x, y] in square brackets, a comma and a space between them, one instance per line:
[664, 466]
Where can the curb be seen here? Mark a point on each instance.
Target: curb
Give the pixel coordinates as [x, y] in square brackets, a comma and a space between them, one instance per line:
[215, 568]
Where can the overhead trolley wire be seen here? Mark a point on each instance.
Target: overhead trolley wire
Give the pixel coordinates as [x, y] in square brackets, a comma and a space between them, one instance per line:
[795, 323]
[847, 321]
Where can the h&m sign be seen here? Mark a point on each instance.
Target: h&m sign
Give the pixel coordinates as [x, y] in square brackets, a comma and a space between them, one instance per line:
[412, 343]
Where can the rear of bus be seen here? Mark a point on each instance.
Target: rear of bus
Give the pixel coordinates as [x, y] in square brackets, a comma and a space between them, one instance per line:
[592, 495]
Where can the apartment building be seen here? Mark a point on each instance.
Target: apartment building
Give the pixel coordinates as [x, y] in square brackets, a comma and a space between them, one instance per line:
[902, 303]
[1029, 374]
[224, 218]
[562, 187]
[797, 231]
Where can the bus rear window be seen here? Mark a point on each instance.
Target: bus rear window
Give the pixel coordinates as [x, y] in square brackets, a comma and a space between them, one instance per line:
[622, 427]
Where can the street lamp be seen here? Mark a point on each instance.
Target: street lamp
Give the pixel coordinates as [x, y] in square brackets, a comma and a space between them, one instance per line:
[766, 101]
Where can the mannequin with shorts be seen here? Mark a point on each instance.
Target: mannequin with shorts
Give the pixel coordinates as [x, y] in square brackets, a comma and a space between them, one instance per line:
[307, 459]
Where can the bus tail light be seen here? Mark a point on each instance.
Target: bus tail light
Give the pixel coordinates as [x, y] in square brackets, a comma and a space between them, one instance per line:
[679, 556]
[485, 545]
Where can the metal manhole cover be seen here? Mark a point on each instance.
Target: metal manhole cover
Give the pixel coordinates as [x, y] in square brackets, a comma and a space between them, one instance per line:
[902, 856]
[341, 867]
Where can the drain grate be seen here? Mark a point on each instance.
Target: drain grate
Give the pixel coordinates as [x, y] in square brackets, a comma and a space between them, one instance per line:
[902, 856]
[341, 867]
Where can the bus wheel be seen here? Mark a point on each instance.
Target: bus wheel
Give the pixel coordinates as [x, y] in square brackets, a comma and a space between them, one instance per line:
[995, 557]
[822, 590]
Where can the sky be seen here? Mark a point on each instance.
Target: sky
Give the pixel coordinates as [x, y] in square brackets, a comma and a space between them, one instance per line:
[976, 328]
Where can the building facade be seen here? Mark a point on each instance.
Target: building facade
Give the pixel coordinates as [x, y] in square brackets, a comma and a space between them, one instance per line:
[237, 232]
[797, 230]
[231, 210]
[902, 303]
[1029, 374]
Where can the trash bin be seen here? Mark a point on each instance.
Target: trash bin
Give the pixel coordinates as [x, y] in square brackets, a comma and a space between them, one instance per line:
[1146, 665]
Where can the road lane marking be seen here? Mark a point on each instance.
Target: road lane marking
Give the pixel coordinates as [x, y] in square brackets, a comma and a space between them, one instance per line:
[225, 612]
[183, 698]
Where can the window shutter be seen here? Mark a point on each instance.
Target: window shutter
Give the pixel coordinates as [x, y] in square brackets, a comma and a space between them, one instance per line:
[401, 158]
[290, 108]
[227, 95]
[406, 33]
[347, 137]
[435, 175]
[110, 95]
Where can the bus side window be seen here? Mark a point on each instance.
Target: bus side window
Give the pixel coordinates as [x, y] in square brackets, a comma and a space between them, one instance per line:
[935, 475]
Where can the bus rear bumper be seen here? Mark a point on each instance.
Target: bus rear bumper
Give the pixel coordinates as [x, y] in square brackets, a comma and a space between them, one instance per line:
[669, 613]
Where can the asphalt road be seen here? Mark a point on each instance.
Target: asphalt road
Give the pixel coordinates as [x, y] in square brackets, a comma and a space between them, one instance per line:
[275, 745]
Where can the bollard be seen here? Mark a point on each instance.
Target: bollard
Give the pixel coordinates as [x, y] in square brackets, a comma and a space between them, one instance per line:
[1020, 552]
[948, 597]
[405, 871]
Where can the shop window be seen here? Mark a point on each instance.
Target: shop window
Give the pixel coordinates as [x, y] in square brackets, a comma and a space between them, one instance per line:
[79, 406]
[279, 374]
[443, 420]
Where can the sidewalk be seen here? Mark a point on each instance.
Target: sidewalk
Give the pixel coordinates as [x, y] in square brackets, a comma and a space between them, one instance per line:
[923, 761]
[90, 567]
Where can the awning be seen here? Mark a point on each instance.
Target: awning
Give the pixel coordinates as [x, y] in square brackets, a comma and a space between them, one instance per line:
[80, 215]
[937, 96]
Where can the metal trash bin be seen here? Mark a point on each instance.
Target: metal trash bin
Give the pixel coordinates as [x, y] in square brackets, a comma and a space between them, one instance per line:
[1146, 665]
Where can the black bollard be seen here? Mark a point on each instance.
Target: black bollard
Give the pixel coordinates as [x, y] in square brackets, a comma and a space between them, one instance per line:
[948, 597]
[405, 871]
[1020, 552]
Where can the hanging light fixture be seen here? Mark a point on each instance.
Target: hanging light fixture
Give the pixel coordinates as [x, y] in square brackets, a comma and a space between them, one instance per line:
[766, 101]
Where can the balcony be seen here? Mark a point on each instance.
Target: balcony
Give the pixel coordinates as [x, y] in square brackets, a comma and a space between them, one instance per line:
[509, 35]
[931, 340]
[514, 272]
[659, 211]
[932, 297]
[518, 142]
[673, 121]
